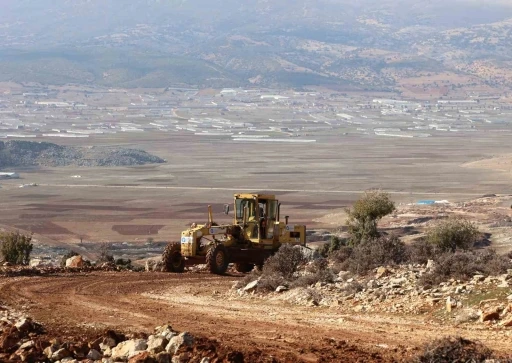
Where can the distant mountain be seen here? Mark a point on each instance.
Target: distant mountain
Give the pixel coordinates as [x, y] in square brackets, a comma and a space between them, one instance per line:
[154, 43]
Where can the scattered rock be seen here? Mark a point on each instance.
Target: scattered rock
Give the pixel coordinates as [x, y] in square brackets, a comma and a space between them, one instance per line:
[163, 357]
[251, 286]
[489, 315]
[430, 265]
[381, 272]
[60, 354]
[143, 357]
[24, 325]
[94, 355]
[75, 262]
[281, 288]
[507, 322]
[184, 339]
[450, 304]
[126, 349]
[156, 344]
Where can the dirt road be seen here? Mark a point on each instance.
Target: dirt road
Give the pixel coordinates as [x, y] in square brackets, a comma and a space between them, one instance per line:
[200, 303]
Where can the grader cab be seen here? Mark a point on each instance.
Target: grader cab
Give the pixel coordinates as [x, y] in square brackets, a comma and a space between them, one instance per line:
[255, 234]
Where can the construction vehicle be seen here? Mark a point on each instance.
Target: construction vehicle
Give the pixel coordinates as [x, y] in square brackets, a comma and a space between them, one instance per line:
[255, 234]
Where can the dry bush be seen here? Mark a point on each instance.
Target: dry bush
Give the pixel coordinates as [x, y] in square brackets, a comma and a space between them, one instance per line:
[371, 254]
[452, 234]
[272, 282]
[318, 271]
[454, 349]
[464, 265]
[285, 262]
[279, 269]
[420, 251]
[339, 258]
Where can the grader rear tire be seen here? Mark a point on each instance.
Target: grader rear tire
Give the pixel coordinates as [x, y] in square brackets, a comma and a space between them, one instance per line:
[243, 267]
[217, 259]
[172, 259]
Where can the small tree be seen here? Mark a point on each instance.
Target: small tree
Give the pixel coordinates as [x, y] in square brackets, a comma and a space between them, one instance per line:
[105, 255]
[452, 234]
[16, 247]
[365, 213]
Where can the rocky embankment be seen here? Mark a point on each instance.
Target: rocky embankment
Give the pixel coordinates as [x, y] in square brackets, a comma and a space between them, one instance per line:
[483, 300]
[17, 153]
[24, 340]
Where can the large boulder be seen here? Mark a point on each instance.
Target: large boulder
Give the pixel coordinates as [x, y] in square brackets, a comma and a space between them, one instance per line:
[182, 340]
[128, 348]
[75, 262]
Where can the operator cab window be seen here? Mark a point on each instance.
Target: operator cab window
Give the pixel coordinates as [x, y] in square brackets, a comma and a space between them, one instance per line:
[241, 204]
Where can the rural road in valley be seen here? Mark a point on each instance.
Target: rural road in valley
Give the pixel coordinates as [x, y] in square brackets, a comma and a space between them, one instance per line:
[246, 189]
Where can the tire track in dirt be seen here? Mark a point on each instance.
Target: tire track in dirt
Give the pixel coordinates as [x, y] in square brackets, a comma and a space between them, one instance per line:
[198, 303]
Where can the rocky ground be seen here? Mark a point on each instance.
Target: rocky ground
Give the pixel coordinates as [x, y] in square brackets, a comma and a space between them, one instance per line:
[17, 153]
[482, 302]
[24, 340]
[87, 313]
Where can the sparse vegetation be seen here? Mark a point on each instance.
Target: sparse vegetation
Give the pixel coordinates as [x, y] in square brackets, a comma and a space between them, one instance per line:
[374, 253]
[318, 271]
[452, 234]
[420, 251]
[462, 265]
[454, 349]
[105, 255]
[16, 247]
[285, 262]
[365, 214]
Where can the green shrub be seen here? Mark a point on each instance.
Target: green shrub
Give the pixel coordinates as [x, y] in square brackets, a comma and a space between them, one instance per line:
[126, 264]
[16, 248]
[364, 215]
[452, 234]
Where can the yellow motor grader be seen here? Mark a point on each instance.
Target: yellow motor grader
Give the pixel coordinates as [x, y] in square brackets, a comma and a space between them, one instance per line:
[255, 234]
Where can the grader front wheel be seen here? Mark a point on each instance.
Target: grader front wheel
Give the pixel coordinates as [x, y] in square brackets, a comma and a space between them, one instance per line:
[217, 259]
[172, 259]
